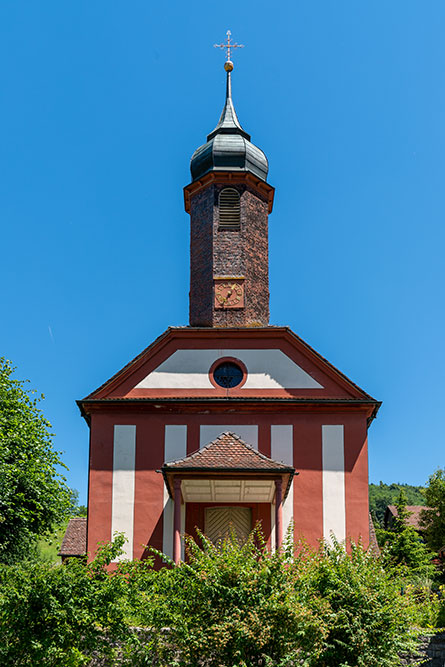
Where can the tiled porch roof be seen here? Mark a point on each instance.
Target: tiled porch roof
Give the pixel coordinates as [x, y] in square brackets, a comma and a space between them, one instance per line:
[228, 452]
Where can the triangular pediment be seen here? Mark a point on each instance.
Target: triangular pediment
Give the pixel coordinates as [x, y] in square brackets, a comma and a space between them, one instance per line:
[275, 364]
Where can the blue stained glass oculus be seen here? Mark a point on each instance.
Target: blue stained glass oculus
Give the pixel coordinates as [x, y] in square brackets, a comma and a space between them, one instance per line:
[228, 375]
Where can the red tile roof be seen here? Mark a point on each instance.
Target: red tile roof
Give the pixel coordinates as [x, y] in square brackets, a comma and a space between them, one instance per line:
[413, 519]
[74, 542]
[227, 452]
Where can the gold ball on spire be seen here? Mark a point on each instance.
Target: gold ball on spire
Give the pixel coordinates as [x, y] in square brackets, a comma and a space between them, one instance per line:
[228, 65]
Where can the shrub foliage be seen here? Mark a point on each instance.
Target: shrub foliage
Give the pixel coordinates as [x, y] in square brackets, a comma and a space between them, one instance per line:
[403, 545]
[227, 606]
[433, 518]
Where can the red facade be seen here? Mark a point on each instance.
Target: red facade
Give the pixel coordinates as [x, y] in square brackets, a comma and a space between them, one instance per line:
[299, 416]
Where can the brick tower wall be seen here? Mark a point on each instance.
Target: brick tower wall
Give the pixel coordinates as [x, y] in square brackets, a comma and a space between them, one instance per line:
[229, 253]
[201, 258]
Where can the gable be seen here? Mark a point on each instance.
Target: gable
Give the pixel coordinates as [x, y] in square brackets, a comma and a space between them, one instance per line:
[277, 364]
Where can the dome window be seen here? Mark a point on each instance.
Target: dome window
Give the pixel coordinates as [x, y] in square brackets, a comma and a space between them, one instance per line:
[229, 210]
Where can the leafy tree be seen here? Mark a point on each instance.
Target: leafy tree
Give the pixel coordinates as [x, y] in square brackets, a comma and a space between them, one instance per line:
[433, 517]
[33, 495]
[403, 545]
[401, 520]
[75, 508]
[81, 510]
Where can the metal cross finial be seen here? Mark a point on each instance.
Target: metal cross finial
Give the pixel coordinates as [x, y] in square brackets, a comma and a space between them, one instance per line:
[229, 46]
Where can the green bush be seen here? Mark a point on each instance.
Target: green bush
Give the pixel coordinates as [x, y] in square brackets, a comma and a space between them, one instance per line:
[232, 605]
[407, 548]
[367, 615]
[227, 606]
[427, 603]
[241, 605]
[58, 615]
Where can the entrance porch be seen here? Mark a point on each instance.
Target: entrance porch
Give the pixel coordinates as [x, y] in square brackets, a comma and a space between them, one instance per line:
[226, 483]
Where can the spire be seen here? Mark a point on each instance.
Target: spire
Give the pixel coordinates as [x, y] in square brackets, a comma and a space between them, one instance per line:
[228, 147]
[228, 122]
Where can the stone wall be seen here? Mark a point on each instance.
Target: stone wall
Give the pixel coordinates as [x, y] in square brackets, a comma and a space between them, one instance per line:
[431, 652]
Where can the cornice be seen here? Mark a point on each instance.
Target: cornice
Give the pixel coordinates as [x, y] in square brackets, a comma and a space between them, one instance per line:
[229, 177]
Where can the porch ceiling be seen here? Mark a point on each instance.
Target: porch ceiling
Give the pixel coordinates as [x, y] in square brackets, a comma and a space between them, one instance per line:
[235, 490]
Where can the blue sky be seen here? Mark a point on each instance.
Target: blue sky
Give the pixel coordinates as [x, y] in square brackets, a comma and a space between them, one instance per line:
[102, 105]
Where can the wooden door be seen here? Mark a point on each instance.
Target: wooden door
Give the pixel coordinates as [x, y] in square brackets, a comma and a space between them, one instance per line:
[219, 520]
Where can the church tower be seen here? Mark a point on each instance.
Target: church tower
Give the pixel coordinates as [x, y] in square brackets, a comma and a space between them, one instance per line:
[229, 201]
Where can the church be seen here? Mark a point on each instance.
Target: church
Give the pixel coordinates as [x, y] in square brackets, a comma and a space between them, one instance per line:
[229, 421]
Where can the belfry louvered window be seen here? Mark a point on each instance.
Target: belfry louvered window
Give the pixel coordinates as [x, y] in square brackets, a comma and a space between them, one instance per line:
[229, 209]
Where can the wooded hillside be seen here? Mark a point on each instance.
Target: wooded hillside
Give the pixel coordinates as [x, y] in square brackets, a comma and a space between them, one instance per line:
[381, 495]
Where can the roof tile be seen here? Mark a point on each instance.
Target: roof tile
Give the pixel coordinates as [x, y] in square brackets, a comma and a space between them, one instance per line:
[414, 514]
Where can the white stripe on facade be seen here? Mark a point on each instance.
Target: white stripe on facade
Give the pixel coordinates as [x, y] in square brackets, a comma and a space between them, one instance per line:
[175, 442]
[175, 447]
[209, 432]
[122, 507]
[167, 525]
[334, 508]
[282, 444]
[282, 449]
[266, 369]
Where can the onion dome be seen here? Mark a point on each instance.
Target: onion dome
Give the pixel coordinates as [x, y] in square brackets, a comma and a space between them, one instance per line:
[228, 147]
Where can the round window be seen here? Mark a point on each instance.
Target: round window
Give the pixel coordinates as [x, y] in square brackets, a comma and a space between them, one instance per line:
[227, 374]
